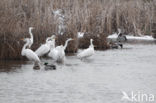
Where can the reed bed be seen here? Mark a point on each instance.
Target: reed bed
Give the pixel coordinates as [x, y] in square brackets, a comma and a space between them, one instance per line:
[96, 18]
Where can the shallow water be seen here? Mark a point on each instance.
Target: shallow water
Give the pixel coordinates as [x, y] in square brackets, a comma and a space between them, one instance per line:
[99, 79]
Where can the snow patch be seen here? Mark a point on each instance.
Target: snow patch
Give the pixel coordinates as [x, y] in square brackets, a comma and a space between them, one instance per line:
[114, 36]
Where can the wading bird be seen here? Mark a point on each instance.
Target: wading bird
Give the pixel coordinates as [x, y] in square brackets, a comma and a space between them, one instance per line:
[45, 48]
[58, 53]
[29, 53]
[87, 52]
[31, 36]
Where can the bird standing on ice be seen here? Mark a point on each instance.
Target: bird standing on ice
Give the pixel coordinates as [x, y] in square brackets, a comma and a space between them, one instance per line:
[87, 52]
[31, 36]
[45, 48]
[29, 53]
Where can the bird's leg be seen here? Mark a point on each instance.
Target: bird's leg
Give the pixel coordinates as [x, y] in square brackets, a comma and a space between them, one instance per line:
[37, 66]
[121, 45]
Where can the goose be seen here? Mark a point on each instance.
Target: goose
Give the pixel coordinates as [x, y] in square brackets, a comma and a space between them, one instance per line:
[45, 48]
[87, 52]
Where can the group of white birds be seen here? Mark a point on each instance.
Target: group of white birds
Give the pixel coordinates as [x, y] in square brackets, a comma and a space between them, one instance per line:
[57, 53]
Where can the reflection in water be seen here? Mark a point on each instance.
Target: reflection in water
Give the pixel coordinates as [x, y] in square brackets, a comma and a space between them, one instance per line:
[99, 79]
[10, 65]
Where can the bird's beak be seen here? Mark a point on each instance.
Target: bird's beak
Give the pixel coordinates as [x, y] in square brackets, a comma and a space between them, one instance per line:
[22, 39]
[55, 37]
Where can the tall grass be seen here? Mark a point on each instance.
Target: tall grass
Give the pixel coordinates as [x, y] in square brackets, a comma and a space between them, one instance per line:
[97, 18]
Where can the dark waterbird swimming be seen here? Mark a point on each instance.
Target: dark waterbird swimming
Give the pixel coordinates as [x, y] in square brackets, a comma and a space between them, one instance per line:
[46, 66]
[115, 45]
[49, 66]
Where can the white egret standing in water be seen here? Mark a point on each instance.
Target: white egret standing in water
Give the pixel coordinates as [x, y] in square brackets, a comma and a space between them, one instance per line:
[29, 53]
[45, 48]
[58, 53]
[87, 52]
[31, 36]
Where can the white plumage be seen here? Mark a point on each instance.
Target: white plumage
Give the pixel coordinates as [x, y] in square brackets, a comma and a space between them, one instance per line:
[45, 48]
[31, 36]
[87, 52]
[119, 31]
[28, 52]
[58, 53]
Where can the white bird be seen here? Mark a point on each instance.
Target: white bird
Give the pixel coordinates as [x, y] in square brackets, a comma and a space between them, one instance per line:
[57, 12]
[119, 31]
[58, 53]
[31, 36]
[87, 52]
[80, 34]
[45, 48]
[29, 53]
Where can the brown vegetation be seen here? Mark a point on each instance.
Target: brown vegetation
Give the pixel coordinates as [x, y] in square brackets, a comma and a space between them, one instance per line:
[96, 17]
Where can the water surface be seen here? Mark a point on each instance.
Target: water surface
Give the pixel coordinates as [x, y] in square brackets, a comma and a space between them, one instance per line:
[99, 79]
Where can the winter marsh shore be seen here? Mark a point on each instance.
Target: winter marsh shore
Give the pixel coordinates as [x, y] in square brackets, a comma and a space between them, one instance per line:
[96, 18]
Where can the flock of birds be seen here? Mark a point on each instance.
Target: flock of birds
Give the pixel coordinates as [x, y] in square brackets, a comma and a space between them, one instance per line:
[57, 53]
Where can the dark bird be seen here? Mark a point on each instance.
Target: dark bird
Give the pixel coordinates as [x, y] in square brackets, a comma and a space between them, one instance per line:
[115, 45]
[49, 66]
[121, 38]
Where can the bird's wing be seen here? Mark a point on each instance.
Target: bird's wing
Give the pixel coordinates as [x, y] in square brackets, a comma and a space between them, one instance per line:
[31, 55]
[83, 53]
[42, 50]
[53, 54]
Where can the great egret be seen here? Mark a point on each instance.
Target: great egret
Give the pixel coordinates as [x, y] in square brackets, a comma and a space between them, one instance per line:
[29, 53]
[45, 48]
[87, 52]
[31, 36]
[58, 53]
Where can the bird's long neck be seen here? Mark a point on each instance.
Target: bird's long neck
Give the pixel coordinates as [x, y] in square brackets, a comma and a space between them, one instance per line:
[24, 47]
[66, 43]
[48, 39]
[119, 31]
[91, 44]
[53, 45]
[31, 35]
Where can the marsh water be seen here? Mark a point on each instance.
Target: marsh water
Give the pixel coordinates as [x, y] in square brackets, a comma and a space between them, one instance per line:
[98, 79]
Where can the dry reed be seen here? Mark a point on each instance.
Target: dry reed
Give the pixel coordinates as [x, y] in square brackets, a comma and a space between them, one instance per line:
[98, 18]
